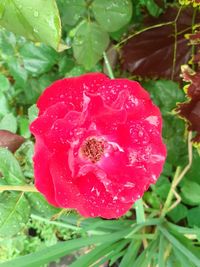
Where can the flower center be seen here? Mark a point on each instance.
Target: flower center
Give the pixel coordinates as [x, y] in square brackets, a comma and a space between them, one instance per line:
[93, 149]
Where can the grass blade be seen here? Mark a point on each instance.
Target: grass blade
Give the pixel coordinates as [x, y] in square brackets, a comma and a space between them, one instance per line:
[131, 254]
[61, 249]
[193, 258]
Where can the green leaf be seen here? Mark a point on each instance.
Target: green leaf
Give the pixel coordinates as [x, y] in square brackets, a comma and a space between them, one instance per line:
[15, 213]
[183, 230]
[178, 213]
[79, 70]
[38, 59]
[139, 208]
[162, 248]
[4, 107]
[8, 43]
[9, 123]
[152, 199]
[112, 15]
[165, 94]
[32, 113]
[36, 20]
[89, 43]
[152, 7]
[72, 11]
[75, 71]
[24, 127]
[194, 172]
[190, 192]
[174, 133]
[25, 154]
[193, 217]
[120, 249]
[95, 255]
[162, 187]
[16, 69]
[40, 206]
[4, 83]
[180, 246]
[65, 64]
[131, 254]
[185, 262]
[10, 168]
[145, 258]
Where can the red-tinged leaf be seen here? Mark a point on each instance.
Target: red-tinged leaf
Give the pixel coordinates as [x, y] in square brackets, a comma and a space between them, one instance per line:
[10, 140]
[190, 110]
[194, 40]
[151, 52]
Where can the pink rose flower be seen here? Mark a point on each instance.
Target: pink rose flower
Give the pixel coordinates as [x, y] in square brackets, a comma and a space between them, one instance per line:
[98, 144]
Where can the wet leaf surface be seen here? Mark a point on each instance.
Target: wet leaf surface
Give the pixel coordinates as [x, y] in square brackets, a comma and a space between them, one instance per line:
[15, 212]
[112, 15]
[31, 20]
[10, 168]
[89, 43]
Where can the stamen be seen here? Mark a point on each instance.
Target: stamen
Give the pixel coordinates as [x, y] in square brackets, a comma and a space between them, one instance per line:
[93, 149]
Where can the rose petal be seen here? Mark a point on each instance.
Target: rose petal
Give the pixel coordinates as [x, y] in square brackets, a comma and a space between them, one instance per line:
[43, 179]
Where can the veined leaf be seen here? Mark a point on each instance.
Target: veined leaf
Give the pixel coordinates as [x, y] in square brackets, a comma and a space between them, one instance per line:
[112, 15]
[14, 210]
[36, 20]
[10, 168]
[89, 43]
[71, 11]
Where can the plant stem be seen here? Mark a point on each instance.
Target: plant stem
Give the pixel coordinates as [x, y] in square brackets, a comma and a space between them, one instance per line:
[110, 72]
[23, 188]
[140, 218]
[139, 208]
[178, 177]
[175, 43]
[171, 193]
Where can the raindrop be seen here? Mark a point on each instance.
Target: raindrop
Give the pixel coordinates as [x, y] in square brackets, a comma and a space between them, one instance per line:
[36, 14]
[140, 133]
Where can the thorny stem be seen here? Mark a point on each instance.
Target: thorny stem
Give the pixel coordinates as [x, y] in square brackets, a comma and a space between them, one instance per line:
[22, 188]
[178, 177]
[110, 72]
